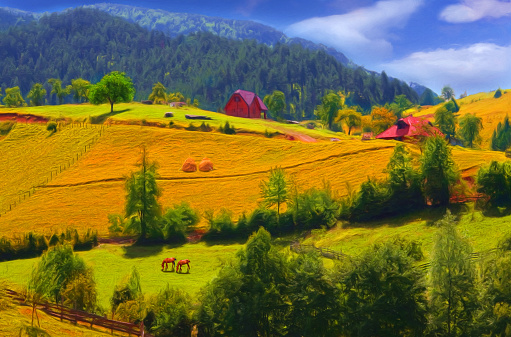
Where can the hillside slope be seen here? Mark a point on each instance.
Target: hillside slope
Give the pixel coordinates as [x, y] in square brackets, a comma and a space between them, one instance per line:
[86, 190]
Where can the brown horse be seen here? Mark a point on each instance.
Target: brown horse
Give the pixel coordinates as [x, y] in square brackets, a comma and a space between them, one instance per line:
[180, 265]
[167, 261]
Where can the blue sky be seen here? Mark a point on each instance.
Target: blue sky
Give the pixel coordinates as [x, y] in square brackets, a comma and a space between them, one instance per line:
[462, 43]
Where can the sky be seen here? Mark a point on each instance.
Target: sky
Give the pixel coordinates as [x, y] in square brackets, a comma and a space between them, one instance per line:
[465, 44]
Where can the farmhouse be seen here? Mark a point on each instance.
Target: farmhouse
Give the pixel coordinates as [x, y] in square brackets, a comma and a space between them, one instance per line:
[245, 104]
[410, 126]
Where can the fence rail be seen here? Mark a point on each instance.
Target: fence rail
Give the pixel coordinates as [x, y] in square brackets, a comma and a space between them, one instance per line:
[75, 316]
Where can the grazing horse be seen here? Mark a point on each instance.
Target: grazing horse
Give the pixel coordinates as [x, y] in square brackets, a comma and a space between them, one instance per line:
[180, 265]
[167, 261]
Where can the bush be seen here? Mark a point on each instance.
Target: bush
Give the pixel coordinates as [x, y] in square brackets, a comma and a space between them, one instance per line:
[80, 293]
[204, 127]
[178, 221]
[127, 290]
[498, 93]
[315, 209]
[494, 181]
[227, 129]
[220, 226]
[191, 127]
[169, 313]
[51, 126]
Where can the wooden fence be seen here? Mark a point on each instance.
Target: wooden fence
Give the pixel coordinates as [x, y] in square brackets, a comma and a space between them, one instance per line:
[325, 252]
[75, 316]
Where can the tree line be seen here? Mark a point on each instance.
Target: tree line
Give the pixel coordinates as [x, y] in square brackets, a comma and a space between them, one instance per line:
[87, 44]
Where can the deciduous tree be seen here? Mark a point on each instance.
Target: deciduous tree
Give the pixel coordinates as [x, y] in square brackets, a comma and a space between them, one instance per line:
[447, 92]
[13, 98]
[158, 94]
[446, 121]
[382, 119]
[470, 126]
[37, 94]
[80, 89]
[350, 117]
[329, 108]
[113, 88]
[57, 90]
[276, 102]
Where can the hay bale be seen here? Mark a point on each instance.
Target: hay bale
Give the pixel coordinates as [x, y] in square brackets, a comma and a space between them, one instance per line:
[189, 165]
[206, 165]
[169, 114]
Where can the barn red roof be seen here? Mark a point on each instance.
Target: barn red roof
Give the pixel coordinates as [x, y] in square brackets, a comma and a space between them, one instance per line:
[248, 97]
[410, 127]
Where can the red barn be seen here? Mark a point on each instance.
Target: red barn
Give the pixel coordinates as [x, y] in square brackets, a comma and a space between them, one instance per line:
[245, 104]
[410, 127]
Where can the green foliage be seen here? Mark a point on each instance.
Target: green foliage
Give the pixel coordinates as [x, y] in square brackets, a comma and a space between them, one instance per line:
[177, 222]
[383, 294]
[56, 269]
[205, 127]
[315, 309]
[399, 105]
[6, 127]
[494, 180]
[80, 292]
[445, 121]
[247, 298]
[127, 290]
[276, 102]
[158, 95]
[80, 89]
[439, 172]
[114, 87]
[13, 98]
[428, 97]
[447, 92]
[501, 138]
[452, 285]
[329, 108]
[315, 208]
[227, 129]
[470, 126]
[498, 93]
[37, 94]
[274, 191]
[350, 117]
[142, 206]
[57, 90]
[52, 127]
[169, 313]
[220, 225]
[370, 201]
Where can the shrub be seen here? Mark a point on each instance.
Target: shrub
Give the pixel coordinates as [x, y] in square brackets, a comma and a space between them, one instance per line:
[204, 127]
[498, 93]
[169, 313]
[315, 209]
[52, 127]
[191, 127]
[80, 292]
[227, 129]
[127, 290]
[178, 221]
[220, 226]
[494, 181]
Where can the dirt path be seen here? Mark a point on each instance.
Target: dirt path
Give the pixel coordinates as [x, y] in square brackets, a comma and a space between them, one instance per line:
[295, 135]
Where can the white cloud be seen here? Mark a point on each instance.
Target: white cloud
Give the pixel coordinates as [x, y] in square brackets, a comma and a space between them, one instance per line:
[363, 33]
[473, 10]
[475, 68]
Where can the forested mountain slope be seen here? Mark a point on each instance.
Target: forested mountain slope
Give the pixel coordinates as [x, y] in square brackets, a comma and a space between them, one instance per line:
[89, 43]
[174, 24]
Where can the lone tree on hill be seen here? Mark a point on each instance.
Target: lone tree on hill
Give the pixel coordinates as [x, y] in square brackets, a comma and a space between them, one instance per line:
[329, 108]
[114, 88]
[350, 117]
[142, 206]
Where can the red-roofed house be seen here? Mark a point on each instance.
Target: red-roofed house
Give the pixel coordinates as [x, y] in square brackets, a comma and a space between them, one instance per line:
[410, 127]
[245, 104]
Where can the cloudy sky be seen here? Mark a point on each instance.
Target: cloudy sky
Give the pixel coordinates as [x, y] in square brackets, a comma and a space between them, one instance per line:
[462, 43]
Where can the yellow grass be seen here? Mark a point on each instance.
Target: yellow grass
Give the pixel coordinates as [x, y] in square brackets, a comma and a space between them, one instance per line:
[491, 110]
[85, 193]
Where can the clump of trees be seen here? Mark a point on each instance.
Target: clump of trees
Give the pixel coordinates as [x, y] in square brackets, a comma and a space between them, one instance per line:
[501, 137]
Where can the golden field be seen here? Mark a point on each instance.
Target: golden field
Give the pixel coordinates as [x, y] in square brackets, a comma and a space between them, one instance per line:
[78, 173]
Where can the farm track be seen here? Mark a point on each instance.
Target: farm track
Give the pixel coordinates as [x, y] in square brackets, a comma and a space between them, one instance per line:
[336, 156]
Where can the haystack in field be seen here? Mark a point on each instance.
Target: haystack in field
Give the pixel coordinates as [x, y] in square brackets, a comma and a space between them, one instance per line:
[206, 165]
[189, 165]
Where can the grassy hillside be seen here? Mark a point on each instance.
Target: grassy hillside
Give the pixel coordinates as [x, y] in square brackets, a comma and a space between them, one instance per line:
[89, 183]
[491, 110]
